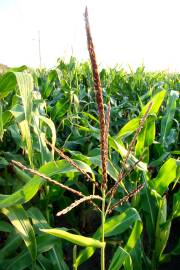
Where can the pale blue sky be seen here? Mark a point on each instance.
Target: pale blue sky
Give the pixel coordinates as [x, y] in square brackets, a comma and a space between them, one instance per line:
[125, 32]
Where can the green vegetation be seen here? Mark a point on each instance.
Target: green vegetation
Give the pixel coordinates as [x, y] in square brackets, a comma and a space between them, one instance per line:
[59, 106]
[58, 210]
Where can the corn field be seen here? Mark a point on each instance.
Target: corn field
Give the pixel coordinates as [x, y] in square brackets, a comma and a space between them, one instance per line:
[89, 167]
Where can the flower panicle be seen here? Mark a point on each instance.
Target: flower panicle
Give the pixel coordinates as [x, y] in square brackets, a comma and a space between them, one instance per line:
[138, 130]
[126, 198]
[99, 100]
[71, 162]
[78, 202]
[47, 178]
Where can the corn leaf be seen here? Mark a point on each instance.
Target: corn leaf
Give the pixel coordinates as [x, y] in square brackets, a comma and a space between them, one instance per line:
[156, 101]
[7, 84]
[18, 217]
[133, 124]
[129, 128]
[1, 123]
[167, 119]
[75, 238]
[113, 226]
[166, 175]
[120, 256]
[12, 244]
[176, 205]
[123, 152]
[162, 230]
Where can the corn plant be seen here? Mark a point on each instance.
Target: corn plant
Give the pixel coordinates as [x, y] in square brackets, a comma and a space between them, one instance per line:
[42, 185]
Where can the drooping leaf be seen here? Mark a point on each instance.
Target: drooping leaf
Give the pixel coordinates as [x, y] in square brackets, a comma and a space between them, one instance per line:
[75, 238]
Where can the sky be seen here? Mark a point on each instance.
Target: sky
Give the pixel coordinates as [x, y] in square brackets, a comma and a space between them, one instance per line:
[125, 32]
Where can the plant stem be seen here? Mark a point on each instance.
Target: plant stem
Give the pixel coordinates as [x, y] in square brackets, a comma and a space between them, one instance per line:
[102, 231]
[74, 257]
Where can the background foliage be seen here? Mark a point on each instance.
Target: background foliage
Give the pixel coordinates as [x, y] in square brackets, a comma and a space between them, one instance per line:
[58, 105]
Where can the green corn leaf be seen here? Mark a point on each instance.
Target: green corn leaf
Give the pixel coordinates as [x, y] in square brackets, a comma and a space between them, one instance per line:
[129, 128]
[1, 123]
[37, 218]
[167, 119]
[118, 224]
[6, 118]
[162, 230]
[166, 175]
[17, 112]
[74, 238]
[20, 262]
[150, 200]
[134, 236]
[113, 226]
[120, 256]
[26, 138]
[156, 103]
[11, 245]
[51, 125]
[123, 152]
[21, 175]
[25, 85]
[176, 205]
[133, 124]
[176, 250]
[146, 136]
[7, 84]
[38, 120]
[47, 242]
[18, 217]
[5, 227]
[44, 263]
[57, 257]
[136, 255]
[18, 69]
